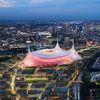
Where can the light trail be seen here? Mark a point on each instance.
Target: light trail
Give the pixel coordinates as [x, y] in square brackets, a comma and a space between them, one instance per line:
[13, 77]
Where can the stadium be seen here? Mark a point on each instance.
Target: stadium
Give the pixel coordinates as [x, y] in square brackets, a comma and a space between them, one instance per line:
[50, 57]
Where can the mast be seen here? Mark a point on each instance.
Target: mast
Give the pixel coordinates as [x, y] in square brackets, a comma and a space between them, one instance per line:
[29, 48]
[73, 44]
[57, 44]
[28, 43]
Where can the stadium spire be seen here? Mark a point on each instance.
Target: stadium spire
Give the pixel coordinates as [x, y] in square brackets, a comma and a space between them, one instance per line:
[57, 44]
[28, 42]
[29, 48]
[73, 44]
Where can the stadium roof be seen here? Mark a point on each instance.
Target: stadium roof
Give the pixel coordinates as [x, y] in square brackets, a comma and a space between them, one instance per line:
[49, 57]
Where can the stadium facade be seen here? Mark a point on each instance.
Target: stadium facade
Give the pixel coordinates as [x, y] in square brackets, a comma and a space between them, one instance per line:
[50, 57]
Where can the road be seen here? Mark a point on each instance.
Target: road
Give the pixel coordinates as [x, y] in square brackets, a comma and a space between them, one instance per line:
[76, 86]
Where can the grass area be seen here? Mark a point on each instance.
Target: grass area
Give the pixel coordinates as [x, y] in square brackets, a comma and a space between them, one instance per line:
[34, 95]
[33, 88]
[36, 81]
[97, 82]
[2, 59]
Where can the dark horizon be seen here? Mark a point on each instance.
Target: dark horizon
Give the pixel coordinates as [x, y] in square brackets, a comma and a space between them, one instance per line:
[49, 10]
[49, 20]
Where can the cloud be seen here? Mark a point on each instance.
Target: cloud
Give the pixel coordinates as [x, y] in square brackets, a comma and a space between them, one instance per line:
[47, 3]
[13, 3]
[40, 1]
[7, 3]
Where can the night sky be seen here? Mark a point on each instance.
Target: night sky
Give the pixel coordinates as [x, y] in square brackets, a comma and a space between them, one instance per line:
[49, 9]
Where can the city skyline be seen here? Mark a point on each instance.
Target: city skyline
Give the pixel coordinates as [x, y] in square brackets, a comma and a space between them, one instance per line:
[49, 10]
[48, 60]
